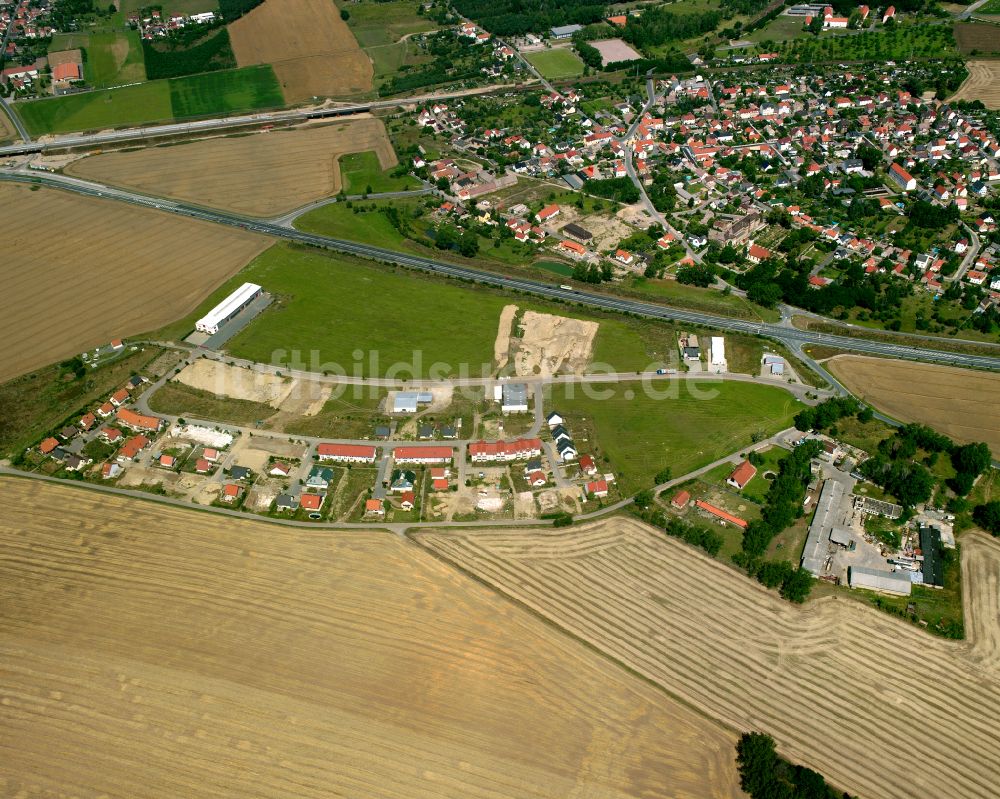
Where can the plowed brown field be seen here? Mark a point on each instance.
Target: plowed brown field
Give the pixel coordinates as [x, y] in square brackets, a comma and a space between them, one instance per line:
[78, 272]
[313, 51]
[983, 82]
[262, 175]
[878, 706]
[149, 651]
[960, 403]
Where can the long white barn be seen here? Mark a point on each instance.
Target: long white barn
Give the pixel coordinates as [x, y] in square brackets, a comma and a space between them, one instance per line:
[228, 308]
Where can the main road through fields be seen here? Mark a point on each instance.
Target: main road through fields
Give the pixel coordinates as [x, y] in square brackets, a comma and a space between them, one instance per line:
[789, 335]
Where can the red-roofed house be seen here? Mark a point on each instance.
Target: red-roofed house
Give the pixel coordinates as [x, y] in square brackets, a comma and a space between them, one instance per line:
[138, 421]
[756, 254]
[373, 507]
[311, 502]
[597, 488]
[587, 465]
[346, 453]
[423, 455]
[230, 492]
[901, 177]
[548, 212]
[67, 71]
[202, 466]
[48, 445]
[742, 475]
[537, 479]
[681, 499]
[720, 513]
[407, 500]
[484, 451]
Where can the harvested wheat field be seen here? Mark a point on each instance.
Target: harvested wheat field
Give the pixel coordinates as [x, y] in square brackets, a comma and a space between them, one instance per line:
[79, 271]
[983, 83]
[957, 402]
[313, 52]
[151, 651]
[263, 175]
[881, 708]
[7, 132]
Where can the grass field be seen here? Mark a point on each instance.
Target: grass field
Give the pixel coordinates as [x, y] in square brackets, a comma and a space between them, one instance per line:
[694, 424]
[558, 62]
[261, 174]
[318, 314]
[380, 23]
[222, 92]
[177, 399]
[780, 29]
[35, 403]
[359, 171]
[313, 52]
[354, 224]
[226, 91]
[711, 637]
[960, 403]
[165, 653]
[144, 269]
[712, 300]
[113, 57]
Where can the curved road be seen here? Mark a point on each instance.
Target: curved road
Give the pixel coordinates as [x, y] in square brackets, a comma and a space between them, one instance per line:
[789, 335]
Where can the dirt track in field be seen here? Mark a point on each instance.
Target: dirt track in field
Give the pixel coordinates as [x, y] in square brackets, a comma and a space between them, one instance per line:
[880, 707]
[983, 82]
[263, 174]
[153, 652]
[960, 403]
[313, 52]
[79, 272]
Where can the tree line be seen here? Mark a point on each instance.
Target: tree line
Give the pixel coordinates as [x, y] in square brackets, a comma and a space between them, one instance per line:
[764, 775]
[657, 26]
[518, 17]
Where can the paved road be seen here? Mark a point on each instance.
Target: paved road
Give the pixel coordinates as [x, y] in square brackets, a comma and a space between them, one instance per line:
[972, 9]
[223, 123]
[790, 336]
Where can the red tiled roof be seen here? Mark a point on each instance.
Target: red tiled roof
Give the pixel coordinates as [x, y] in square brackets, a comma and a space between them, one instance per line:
[423, 453]
[311, 501]
[48, 445]
[728, 517]
[681, 498]
[346, 451]
[743, 473]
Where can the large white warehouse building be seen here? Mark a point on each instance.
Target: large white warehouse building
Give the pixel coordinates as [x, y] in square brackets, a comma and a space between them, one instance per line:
[228, 308]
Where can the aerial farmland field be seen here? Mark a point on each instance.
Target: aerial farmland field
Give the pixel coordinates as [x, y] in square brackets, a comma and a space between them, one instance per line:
[130, 270]
[261, 174]
[960, 403]
[843, 688]
[982, 84]
[166, 653]
[313, 52]
[222, 92]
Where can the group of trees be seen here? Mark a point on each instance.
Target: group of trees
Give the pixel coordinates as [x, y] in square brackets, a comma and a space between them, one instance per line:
[593, 273]
[783, 504]
[829, 412]
[696, 275]
[190, 51]
[621, 190]
[589, 54]
[232, 10]
[656, 26]
[451, 60]
[895, 468]
[449, 237]
[764, 775]
[695, 534]
[927, 216]
[517, 17]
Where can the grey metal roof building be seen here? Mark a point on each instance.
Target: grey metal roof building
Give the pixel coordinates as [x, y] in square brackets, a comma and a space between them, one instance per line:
[930, 546]
[828, 515]
[514, 397]
[880, 580]
[565, 31]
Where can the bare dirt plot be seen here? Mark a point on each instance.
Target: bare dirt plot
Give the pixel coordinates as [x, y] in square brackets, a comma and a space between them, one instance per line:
[843, 688]
[313, 52]
[615, 50]
[501, 347]
[166, 653]
[79, 272]
[550, 342]
[264, 174]
[224, 380]
[983, 82]
[957, 402]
